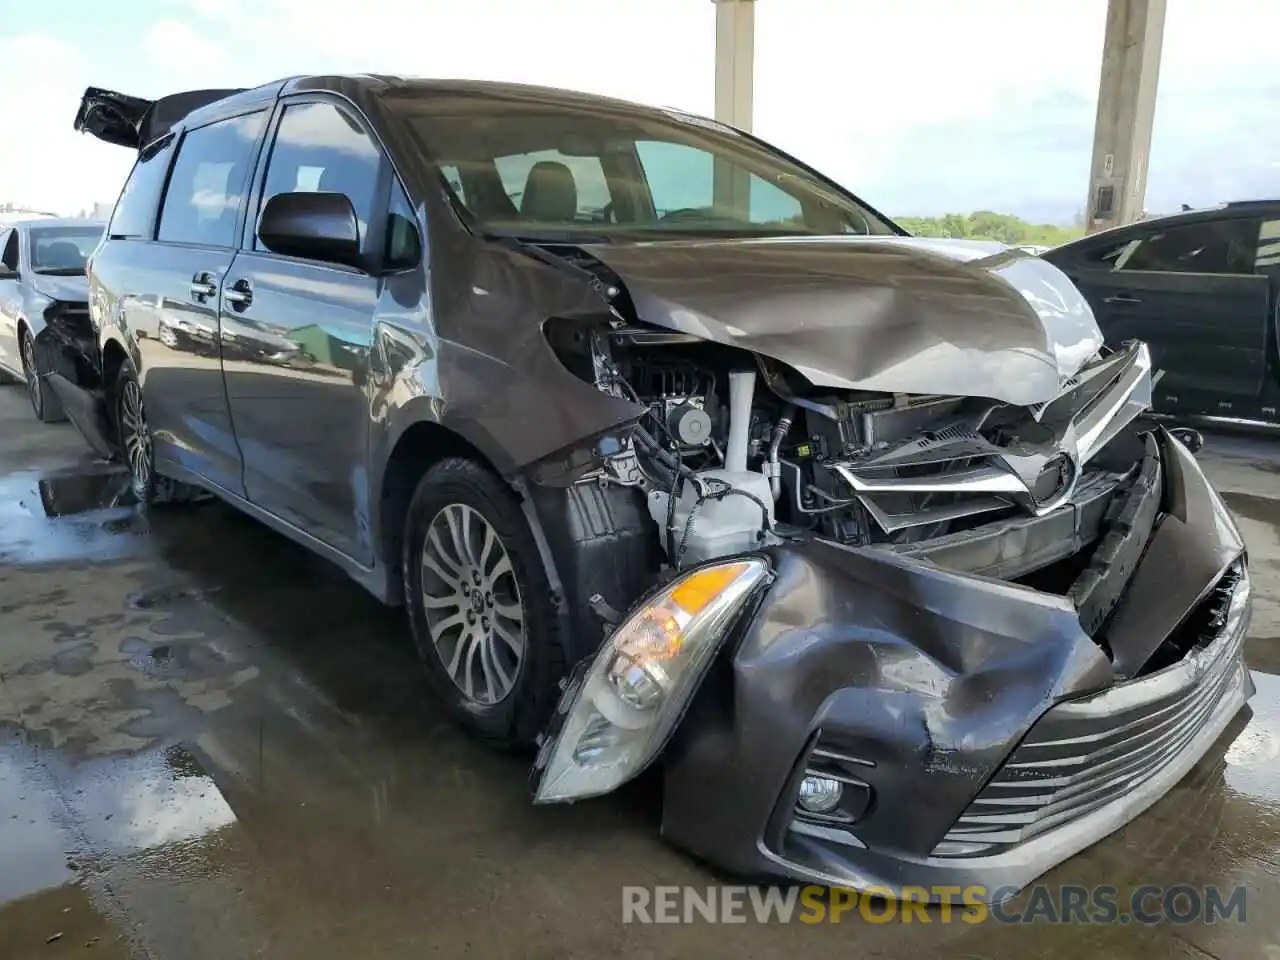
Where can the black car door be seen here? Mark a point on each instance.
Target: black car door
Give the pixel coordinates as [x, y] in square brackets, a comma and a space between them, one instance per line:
[1190, 291]
[172, 289]
[297, 334]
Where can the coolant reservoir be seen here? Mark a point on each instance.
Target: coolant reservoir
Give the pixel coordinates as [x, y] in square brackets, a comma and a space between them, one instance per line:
[721, 526]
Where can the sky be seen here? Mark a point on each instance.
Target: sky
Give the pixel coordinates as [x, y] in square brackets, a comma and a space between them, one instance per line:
[920, 106]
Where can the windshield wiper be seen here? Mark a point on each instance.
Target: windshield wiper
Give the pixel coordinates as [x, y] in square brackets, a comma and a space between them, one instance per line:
[59, 271]
[573, 237]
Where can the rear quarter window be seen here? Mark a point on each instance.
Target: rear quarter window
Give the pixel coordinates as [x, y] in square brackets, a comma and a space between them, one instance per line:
[134, 217]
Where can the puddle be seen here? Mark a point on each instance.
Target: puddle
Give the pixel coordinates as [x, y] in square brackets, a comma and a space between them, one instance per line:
[165, 597]
[75, 494]
[50, 496]
[87, 514]
[147, 801]
[34, 841]
[1253, 760]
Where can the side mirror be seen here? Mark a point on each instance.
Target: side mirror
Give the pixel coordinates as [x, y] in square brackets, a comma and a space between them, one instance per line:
[314, 226]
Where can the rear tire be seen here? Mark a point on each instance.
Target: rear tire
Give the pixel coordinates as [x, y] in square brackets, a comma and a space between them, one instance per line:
[480, 605]
[44, 402]
[136, 447]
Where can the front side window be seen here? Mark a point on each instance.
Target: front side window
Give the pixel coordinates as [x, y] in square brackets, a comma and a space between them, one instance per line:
[403, 241]
[208, 182]
[320, 147]
[1220, 247]
[524, 168]
[62, 250]
[454, 179]
[9, 249]
[134, 217]
[1268, 245]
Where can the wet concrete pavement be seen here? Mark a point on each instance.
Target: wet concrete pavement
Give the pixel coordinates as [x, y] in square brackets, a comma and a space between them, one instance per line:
[213, 745]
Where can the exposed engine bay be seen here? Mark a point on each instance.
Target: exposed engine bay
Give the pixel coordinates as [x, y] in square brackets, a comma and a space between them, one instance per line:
[1021, 512]
[737, 450]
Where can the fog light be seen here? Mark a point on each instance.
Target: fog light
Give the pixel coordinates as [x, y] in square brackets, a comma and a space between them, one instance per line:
[819, 794]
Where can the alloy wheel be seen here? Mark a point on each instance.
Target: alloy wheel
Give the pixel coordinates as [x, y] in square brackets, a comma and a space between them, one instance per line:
[134, 434]
[472, 604]
[33, 373]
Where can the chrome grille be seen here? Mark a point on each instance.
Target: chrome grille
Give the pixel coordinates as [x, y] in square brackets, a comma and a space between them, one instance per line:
[1079, 756]
[955, 470]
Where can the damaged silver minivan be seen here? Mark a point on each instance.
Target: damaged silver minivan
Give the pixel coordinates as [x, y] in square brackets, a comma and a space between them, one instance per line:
[677, 453]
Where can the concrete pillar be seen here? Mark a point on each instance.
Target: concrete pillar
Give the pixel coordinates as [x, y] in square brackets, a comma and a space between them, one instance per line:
[735, 61]
[1126, 112]
[735, 80]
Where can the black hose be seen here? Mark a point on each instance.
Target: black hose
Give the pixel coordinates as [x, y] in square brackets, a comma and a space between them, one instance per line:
[780, 430]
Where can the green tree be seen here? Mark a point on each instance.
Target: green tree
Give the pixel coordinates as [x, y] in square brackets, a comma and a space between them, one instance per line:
[990, 225]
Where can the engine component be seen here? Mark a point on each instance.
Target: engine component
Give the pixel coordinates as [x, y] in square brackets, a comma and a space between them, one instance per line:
[689, 425]
[773, 466]
[868, 424]
[742, 384]
[603, 545]
[716, 513]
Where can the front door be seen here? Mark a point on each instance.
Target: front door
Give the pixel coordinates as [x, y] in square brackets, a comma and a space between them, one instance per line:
[1191, 293]
[297, 334]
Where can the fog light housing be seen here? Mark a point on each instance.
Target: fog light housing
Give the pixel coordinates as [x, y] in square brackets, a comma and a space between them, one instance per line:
[819, 794]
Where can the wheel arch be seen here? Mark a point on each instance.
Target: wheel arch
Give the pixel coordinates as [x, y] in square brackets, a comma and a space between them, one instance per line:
[419, 446]
[113, 357]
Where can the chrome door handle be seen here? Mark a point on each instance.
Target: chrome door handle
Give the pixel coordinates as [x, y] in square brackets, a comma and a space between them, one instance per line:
[203, 287]
[239, 294]
[1122, 298]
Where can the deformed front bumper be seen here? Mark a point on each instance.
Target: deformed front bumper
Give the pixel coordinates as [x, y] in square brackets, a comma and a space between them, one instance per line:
[982, 736]
[980, 732]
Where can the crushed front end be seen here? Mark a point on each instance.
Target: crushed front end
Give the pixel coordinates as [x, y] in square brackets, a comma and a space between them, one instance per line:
[963, 706]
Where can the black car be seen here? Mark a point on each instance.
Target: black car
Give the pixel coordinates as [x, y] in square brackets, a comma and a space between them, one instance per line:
[675, 450]
[44, 308]
[1201, 288]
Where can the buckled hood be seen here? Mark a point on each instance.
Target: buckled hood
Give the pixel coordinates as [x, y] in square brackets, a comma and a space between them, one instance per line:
[61, 288]
[892, 314]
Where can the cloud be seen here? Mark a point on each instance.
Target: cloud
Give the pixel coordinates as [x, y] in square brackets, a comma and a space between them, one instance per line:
[174, 46]
[44, 164]
[921, 106]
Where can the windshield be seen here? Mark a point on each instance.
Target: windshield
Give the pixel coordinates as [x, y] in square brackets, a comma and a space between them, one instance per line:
[62, 250]
[530, 168]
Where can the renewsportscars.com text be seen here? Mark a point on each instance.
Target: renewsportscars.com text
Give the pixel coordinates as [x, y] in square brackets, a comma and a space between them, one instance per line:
[1148, 904]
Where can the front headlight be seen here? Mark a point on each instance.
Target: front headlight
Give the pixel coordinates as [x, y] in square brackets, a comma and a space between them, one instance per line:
[621, 715]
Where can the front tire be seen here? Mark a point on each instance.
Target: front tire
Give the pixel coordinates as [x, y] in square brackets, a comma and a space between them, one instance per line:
[479, 604]
[137, 447]
[44, 402]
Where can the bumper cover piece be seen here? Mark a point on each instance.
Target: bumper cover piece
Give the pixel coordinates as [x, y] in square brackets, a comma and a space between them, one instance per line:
[87, 410]
[954, 699]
